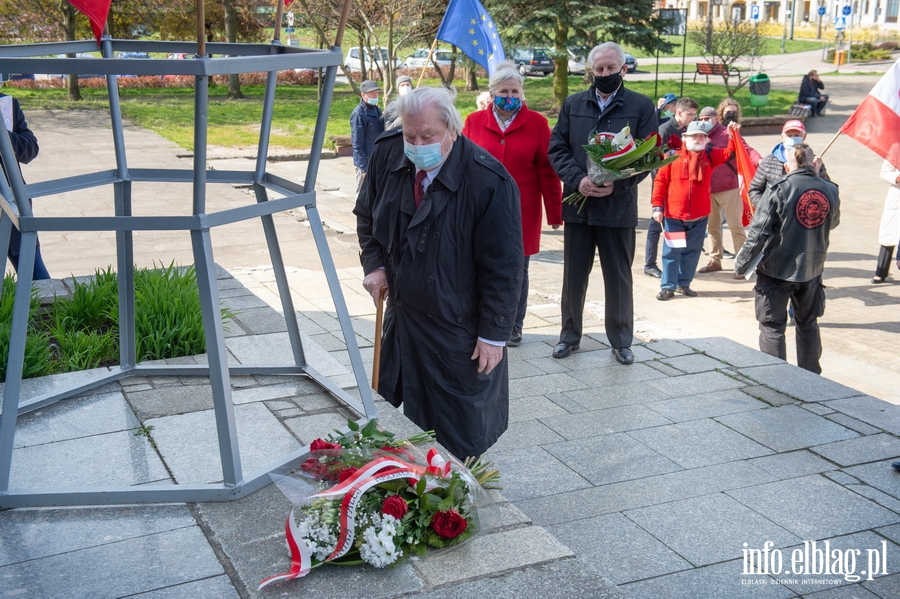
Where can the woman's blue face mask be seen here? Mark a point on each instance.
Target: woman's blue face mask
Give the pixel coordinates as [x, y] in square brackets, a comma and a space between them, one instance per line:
[509, 104]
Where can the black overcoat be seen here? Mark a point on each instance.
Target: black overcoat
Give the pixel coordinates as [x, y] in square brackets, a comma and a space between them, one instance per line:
[454, 267]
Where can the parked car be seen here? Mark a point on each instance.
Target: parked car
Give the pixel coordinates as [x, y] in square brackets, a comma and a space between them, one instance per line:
[576, 63]
[352, 59]
[417, 59]
[80, 75]
[141, 55]
[533, 61]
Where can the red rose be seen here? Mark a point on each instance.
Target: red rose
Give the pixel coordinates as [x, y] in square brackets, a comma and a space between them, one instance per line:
[322, 445]
[449, 524]
[658, 141]
[345, 474]
[314, 467]
[395, 506]
[674, 142]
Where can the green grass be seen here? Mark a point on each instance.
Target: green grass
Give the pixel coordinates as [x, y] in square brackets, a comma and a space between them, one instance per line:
[170, 111]
[772, 46]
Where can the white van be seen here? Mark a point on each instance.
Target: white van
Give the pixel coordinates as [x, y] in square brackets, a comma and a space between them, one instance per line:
[353, 64]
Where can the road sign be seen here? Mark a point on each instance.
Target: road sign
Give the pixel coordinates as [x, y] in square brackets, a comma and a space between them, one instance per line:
[754, 12]
[289, 30]
[840, 23]
[821, 10]
[290, 17]
[846, 11]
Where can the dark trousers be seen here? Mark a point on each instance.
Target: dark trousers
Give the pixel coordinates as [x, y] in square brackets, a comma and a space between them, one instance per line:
[883, 266]
[40, 270]
[615, 246]
[808, 301]
[523, 295]
[651, 249]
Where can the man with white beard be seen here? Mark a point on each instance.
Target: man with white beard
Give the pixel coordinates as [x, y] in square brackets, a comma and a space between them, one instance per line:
[681, 204]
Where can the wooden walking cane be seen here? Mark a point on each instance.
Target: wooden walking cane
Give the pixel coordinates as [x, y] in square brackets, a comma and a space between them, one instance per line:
[376, 358]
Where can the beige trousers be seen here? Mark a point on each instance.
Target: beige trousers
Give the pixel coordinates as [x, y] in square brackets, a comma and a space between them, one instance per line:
[727, 202]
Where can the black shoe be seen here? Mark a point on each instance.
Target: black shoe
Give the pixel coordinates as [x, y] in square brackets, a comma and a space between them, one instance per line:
[515, 338]
[877, 280]
[896, 465]
[563, 349]
[665, 295]
[623, 355]
[652, 271]
[727, 254]
[686, 291]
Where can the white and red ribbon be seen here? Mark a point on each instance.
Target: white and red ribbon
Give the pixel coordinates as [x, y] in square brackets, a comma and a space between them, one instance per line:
[376, 472]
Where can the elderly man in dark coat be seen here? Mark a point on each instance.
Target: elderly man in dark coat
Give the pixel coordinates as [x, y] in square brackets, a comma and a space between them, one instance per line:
[439, 224]
[607, 222]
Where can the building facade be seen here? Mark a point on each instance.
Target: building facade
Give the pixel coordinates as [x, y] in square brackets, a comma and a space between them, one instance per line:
[806, 12]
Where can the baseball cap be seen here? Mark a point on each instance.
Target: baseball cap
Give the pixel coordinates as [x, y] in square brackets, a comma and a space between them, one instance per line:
[795, 125]
[404, 79]
[669, 98]
[368, 86]
[694, 128]
[707, 111]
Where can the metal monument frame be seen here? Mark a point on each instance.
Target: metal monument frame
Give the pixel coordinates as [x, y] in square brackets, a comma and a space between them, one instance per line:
[16, 210]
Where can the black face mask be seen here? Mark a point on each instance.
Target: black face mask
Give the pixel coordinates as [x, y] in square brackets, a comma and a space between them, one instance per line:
[608, 83]
[729, 118]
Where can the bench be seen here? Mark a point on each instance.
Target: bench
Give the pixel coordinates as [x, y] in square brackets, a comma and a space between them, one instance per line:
[801, 109]
[715, 68]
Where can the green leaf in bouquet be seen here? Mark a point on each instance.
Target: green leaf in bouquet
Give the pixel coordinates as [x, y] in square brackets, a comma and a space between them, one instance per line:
[644, 148]
[351, 424]
[431, 502]
[420, 487]
[370, 428]
[656, 165]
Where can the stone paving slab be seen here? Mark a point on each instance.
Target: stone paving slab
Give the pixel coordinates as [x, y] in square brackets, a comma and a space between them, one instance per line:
[600, 422]
[520, 469]
[98, 414]
[786, 428]
[618, 547]
[870, 410]
[813, 507]
[717, 581]
[695, 384]
[793, 464]
[798, 383]
[879, 475]
[707, 405]
[861, 450]
[219, 587]
[699, 443]
[709, 529]
[611, 458]
[731, 352]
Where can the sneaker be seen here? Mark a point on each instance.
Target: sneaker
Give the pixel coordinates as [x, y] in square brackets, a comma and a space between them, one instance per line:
[713, 266]
[727, 255]
[653, 271]
[686, 291]
[515, 338]
[739, 277]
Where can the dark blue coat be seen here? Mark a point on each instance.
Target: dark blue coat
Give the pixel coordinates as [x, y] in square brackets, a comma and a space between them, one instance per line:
[366, 125]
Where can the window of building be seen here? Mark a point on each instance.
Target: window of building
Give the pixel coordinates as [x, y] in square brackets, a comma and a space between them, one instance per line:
[890, 12]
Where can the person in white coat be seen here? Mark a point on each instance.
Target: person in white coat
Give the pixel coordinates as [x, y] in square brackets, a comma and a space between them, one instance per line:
[889, 231]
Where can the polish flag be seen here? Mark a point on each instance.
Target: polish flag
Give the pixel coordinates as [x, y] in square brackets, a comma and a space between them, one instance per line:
[876, 123]
[96, 11]
[675, 239]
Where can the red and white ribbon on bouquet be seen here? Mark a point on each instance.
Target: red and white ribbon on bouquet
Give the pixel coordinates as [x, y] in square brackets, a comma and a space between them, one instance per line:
[374, 473]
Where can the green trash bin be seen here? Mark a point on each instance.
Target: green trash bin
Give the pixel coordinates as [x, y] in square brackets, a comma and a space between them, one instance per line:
[759, 91]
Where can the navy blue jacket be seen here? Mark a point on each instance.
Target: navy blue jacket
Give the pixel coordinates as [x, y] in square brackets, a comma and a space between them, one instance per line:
[366, 125]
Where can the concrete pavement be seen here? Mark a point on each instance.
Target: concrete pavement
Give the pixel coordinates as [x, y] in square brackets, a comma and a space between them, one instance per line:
[648, 481]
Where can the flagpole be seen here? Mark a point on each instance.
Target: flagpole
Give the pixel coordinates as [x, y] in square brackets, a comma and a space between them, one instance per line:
[201, 28]
[345, 15]
[425, 68]
[279, 14]
[833, 139]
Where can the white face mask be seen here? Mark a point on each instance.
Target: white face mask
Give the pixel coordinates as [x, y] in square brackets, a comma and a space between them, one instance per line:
[372, 101]
[790, 142]
[404, 89]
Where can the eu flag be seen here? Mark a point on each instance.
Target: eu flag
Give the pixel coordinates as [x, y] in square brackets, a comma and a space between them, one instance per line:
[470, 28]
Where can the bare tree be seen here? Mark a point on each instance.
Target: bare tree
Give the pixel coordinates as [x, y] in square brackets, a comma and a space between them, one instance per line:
[727, 42]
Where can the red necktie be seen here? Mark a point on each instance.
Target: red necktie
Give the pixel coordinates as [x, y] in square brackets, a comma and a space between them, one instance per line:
[418, 191]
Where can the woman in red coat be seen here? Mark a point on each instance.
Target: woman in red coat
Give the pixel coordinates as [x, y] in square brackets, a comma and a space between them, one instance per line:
[519, 138]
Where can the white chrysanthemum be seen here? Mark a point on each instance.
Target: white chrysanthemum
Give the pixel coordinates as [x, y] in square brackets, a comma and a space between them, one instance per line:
[320, 539]
[378, 548]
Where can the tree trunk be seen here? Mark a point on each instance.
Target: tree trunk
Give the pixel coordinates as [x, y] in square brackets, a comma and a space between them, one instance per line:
[561, 72]
[453, 61]
[389, 74]
[234, 80]
[362, 55]
[471, 80]
[68, 20]
[592, 41]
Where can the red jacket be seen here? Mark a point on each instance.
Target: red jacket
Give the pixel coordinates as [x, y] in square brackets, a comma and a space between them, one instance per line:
[522, 149]
[681, 198]
[725, 177]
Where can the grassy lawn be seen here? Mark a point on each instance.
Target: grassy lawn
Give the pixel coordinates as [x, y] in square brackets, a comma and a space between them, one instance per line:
[772, 46]
[169, 111]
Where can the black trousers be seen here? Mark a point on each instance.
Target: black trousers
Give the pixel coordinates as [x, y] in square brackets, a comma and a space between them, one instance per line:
[883, 266]
[808, 302]
[616, 249]
[651, 248]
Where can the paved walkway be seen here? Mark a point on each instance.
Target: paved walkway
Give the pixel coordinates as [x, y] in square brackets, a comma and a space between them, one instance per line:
[647, 481]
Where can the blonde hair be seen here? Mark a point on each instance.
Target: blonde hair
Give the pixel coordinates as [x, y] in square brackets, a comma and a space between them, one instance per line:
[725, 103]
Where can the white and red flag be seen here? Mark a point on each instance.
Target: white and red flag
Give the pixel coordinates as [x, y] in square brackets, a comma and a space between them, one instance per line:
[96, 11]
[675, 239]
[876, 123]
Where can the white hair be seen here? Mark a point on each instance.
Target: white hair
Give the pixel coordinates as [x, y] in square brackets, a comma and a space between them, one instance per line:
[504, 72]
[620, 53]
[440, 98]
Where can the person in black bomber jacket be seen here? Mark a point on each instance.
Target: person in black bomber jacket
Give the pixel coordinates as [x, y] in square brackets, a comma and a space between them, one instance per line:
[791, 229]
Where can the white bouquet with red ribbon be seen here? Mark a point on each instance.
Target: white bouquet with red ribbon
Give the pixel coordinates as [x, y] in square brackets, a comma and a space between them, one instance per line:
[615, 156]
[378, 499]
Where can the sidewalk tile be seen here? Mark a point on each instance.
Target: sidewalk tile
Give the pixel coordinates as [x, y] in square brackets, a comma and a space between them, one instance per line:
[613, 396]
[731, 352]
[699, 443]
[544, 383]
[618, 548]
[708, 529]
[527, 433]
[694, 363]
[695, 384]
[813, 507]
[615, 375]
[521, 469]
[669, 348]
[870, 410]
[879, 475]
[798, 383]
[861, 450]
[707, 405]
[530, 408]
[611, 458]
[786, 428]
[711, 582]
[73, 418]
[601, 422]
[793, 464]
[219, 587]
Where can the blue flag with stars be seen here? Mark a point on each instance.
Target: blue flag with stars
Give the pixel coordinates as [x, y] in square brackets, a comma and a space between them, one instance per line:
[470, 28]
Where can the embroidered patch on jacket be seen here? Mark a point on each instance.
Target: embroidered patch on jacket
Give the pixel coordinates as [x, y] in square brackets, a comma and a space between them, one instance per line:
[812, 209]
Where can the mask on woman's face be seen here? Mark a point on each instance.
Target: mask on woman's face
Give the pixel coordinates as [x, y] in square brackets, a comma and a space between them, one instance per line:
[729, 117]
[509, 104]
[790, 142]
[425, 157]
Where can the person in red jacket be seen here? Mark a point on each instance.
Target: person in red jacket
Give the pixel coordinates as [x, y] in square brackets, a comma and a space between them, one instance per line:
[681, 203]
[519, 139]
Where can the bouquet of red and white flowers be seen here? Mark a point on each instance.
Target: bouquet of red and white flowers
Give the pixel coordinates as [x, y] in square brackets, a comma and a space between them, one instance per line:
[614, 156]
[378, 499]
